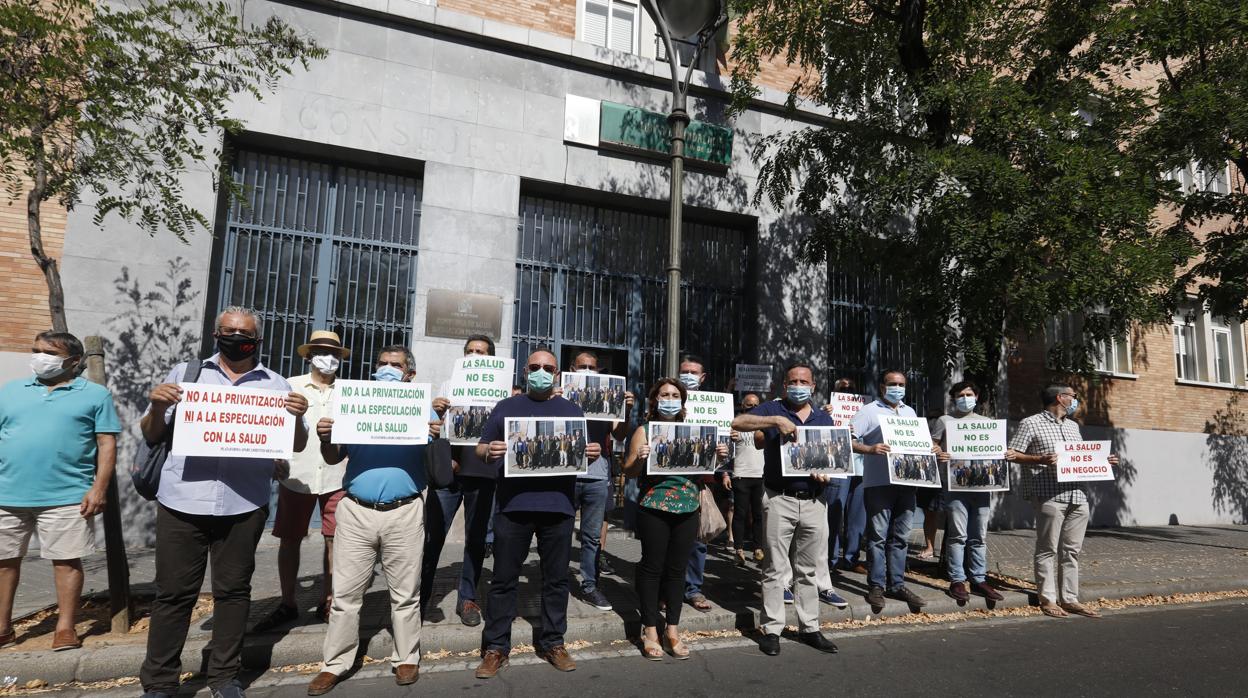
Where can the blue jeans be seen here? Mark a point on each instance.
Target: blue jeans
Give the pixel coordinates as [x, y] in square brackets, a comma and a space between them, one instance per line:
[967, 529]
[591, 499]
[695, 571]
[477, 496]
[847, 519]
[890, 509]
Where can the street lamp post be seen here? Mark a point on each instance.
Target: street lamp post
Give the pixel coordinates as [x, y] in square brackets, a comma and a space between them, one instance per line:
[683, 18]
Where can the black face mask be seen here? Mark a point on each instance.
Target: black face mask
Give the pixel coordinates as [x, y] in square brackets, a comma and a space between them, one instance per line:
[236, 347]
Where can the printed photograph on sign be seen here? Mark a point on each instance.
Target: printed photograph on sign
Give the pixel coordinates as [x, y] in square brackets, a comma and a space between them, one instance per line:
[545, 447]
[845, 406]
[821, 450]
[1084, 461]
[913, 469]
[464, 424]
[681, 449]
[599, 395]
[978, 475]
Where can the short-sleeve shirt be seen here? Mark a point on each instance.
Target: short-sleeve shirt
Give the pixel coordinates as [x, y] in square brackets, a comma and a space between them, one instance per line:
[1038, 435]
[218, 486]
[47, 440]
[866, 427]
[309, 473]
[549, 494]
[771, 445]
[380, 473]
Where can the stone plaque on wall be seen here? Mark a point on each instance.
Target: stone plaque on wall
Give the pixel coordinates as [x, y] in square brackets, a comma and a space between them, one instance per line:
[460, 315]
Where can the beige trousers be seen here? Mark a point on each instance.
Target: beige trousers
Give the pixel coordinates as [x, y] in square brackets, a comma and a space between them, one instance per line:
[1059, 539]
[797, 543]
[398, 538]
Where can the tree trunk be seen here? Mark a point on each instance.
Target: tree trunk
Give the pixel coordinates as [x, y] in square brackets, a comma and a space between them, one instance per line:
[51, 272]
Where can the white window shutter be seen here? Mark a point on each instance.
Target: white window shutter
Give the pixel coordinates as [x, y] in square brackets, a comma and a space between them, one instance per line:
[623, 19]
[594, 23]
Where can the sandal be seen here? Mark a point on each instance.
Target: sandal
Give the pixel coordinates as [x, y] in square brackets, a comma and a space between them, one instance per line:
[1054, 611]
[740, 557]
[699, 602]
[651, 650]
[677, 648]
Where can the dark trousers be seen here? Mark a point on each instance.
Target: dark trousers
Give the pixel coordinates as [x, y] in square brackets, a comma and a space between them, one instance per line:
[184, 543]
[747, 507]
[666, 542]
[477, 496]
[513, 534]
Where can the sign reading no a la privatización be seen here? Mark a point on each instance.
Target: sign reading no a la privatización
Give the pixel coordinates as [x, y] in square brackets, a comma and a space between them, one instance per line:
[1083, 461]
[228, 422]
[906, 435]
[381, 412]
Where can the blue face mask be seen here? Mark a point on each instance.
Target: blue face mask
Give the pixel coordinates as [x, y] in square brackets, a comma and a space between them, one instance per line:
[798, 394]
[540, 381]
[1073, 407]
[691, 381]
[965, 404]
[894, 394]
[388, 373]
[669, 408]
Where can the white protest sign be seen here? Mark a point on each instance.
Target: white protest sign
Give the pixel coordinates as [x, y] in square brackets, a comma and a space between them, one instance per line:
[753, 378]
[1083, 461]
[381, 412]
[906, 435]
[228, 422]
[705, 407]
[845, 406]
[976, 439]
[481, 381]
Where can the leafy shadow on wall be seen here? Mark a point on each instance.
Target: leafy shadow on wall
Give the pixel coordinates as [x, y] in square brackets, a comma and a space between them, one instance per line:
[156, 327]
[1227, 440]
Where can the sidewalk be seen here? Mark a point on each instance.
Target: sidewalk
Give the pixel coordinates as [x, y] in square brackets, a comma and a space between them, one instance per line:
[1116, 563]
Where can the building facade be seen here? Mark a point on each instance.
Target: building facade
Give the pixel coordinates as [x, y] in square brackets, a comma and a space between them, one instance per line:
[449, 166]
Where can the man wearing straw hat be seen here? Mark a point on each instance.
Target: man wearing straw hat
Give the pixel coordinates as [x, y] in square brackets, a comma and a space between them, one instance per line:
[311, 482]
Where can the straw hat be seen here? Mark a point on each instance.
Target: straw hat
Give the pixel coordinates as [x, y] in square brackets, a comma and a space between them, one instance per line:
[324, 338]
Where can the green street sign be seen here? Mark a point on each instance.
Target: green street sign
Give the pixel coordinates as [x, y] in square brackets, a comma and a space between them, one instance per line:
[643, 132]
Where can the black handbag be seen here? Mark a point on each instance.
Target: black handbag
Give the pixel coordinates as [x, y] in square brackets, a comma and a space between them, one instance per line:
[149, 459]
[438, 465]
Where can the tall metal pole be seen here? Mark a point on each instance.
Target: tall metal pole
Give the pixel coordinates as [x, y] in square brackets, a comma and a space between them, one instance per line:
[678, 120]
[114, 544]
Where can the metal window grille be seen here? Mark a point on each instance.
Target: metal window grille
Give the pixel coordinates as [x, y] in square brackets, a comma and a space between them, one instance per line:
[594, 276]
[865, 335]
[314, 245]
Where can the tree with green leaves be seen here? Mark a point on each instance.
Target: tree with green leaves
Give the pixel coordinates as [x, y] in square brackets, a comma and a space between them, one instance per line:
[115, 102]
[1002, 161]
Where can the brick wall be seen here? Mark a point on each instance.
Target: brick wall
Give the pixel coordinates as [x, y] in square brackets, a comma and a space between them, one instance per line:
[1153, 400]
[24, 312]
[556, 17]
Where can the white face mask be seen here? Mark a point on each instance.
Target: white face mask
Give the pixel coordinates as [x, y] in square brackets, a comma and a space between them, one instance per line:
[326, 363]
[46, 366]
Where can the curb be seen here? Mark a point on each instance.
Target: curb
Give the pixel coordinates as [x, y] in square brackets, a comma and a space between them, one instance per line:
[302, 646]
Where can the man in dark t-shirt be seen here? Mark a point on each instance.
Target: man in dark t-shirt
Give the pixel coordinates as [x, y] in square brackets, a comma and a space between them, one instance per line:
[529, 506]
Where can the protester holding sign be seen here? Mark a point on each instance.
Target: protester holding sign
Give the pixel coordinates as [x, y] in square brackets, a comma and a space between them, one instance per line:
[795, 519]
[890, 508]
[693, 376]
[382, 516]
[210, 505]
[473, 488]
[747, 490]
[847, 512]
[529, 506]
[1061, 507]
[967, 528]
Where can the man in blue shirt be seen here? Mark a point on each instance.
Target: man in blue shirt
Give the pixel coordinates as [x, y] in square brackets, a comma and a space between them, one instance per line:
[795, 519]
[382, 515]
[529, 506]
[58, 447]
[210, 507]
[890, 508]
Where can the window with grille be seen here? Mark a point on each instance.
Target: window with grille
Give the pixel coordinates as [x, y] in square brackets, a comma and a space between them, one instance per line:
[318, 245]
[595, 276]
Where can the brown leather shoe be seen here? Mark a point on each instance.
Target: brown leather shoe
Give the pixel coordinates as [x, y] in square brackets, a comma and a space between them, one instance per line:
[859, 568]
[8, 638]
[406, 674]
[959, 592]
[65, 640]
[985, 590]
[491, 663]
[322, 684]
[558, 658]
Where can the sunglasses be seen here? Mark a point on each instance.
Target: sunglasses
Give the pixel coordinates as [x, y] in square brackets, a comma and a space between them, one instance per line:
[542, 367]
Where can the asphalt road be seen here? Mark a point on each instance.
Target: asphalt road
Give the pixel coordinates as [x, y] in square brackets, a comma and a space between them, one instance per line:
[1197, 650]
